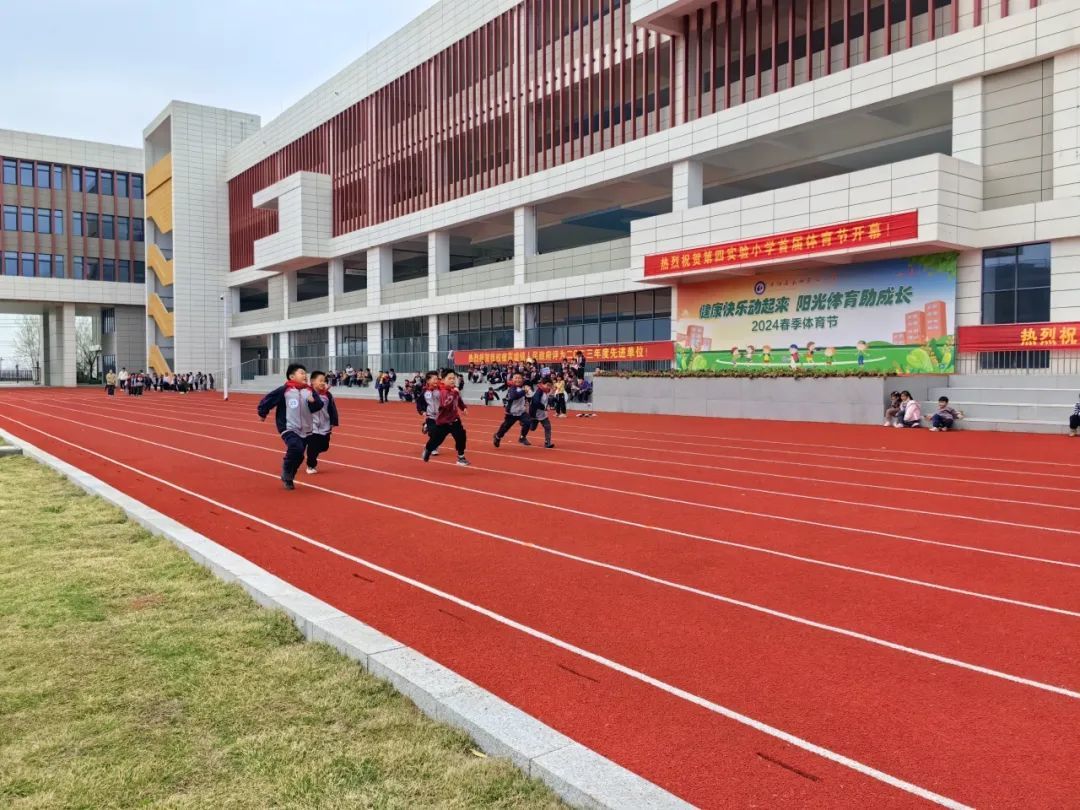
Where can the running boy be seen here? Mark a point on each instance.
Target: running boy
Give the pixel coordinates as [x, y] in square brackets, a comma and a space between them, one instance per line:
[516, 403]
[431, 381]
[293, 404]
[444, 408]
[322, 422]
[538, 413]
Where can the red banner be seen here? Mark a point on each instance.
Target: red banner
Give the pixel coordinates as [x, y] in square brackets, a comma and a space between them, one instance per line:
[1018, 337]
[862, 233]
[612, 353]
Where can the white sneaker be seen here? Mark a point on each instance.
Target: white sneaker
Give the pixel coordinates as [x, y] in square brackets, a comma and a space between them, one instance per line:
[886, 423]
[934, 429]
[434, 452]
[311, 471]
[898, 425]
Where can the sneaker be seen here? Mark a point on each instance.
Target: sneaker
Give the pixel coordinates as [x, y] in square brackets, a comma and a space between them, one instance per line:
[525, 442]
[898, 425]
[312, 471]
[549, 446]
[463, 462]
[1074, 433]
[434, 452]
[887, 423]
[497, 440]
[425, 455]
[935, 430]
[288, 484]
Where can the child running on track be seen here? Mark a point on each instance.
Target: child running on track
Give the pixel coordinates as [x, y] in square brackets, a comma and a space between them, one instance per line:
[293, 404]
[516, 403]
[444, 401]
[538, 410]
[431, 380]
[322, 422]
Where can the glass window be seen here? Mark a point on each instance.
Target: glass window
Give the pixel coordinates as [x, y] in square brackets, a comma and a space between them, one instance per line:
[121, 184]
[91, 224]
[591, 334]
[662, 304]
[108, 321]
[123, 270]
[76, 223]
[44, 220]
[137, 235]
[27, 264]
[106, 183]
[136, 186]
[76, 179]
[77, 267]
[44, 264]
[58, 178]
[44, 171]
[107, 231]
[122, 231]
[90, 180]
[58, 266]
[26, 173]
[1016, 284]
[11, 263]
[11, 171]
[609, 309]
[26, 220]
[140, 272]
[58, 222]
[626, 331]
[11, 217]
[108, 270]
[643, 329]
[643, 304]
[93, 270]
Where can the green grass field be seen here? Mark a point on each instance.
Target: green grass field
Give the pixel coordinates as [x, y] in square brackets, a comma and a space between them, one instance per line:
[130, 677]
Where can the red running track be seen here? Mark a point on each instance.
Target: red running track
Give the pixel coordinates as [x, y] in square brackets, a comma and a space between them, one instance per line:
[744, 613]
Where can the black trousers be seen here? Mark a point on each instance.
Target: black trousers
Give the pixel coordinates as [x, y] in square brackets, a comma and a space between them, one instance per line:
[1074, 422]
[317, 444]
[294, 455]
[437, 435]
[110, 390]
[560, 404]
[509, 421]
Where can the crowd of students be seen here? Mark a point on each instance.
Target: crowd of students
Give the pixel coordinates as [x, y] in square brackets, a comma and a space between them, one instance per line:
[134, 383]
[567, 380]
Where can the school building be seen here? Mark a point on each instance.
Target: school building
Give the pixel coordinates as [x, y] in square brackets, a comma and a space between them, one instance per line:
[71, 245]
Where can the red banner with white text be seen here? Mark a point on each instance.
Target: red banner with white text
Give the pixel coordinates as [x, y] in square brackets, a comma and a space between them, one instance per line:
[611, 353]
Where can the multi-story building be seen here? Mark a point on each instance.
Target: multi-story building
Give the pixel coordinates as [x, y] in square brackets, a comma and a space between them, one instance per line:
[71, 244]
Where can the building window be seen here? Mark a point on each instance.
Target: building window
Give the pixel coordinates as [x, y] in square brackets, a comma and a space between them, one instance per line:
[123, 270]
[140, 272]
[26, 174]
[11, 263]
[122, 230]
[11, 218]
[405, 344]
[27, 262]
[90, 181]
[26, 220]
[58, 178]
[1016, 284]
[58, 222]
[625, 318]
[121, 184]
[106, 183]
[11, 171]
[311, 285]
[44, 264]
[308, 343]
[76, 179]
[44, 170]
[108, 321]
[352, 345]
[479, 329]
[77, 267]
[108, 270]
[93, 269]
[76, 223]
[136, 186]
[137, 229]
[91, 224]
[44, 220]
[58, 266]
[254, 298]
[107, 231]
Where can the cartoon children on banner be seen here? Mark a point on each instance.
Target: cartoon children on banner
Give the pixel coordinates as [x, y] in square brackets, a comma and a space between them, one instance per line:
[766, 353]
[811, 347]
[793, 350]
[860, 347]
[830, 352]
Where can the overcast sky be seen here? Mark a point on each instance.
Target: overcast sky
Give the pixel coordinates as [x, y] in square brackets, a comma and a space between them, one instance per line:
[101, 70]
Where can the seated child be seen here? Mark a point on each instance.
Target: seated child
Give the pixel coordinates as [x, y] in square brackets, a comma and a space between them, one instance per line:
[892, 413]
[1074, 421]
[944, 418]
[912, 413]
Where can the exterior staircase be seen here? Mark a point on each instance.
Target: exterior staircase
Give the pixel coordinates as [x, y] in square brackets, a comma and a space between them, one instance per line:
[1016, 403]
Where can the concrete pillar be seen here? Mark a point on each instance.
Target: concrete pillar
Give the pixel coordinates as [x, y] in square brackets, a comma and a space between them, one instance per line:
[967, 132]
[687, 185]
[374, 343]
[288, 293]
[524, 241]
[438, 257]
[331, 347]
[433, 338]
[380, 273]
[680, 79]
[61, 338]
[335, 281]
[519, 326]
[1066, 105]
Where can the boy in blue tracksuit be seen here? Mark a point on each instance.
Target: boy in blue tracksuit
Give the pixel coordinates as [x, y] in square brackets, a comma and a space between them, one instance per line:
[538, 410]
[323, 421]
[516, 403]
[293, 404]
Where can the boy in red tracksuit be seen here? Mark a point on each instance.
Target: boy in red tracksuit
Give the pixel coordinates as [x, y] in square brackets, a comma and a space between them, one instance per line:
[444, 407]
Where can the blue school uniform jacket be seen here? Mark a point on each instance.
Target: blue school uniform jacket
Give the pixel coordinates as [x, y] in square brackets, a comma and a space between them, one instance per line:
[289, 413]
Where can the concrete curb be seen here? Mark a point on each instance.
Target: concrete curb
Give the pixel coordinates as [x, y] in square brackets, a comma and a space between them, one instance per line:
[9, 450]
[578, 774]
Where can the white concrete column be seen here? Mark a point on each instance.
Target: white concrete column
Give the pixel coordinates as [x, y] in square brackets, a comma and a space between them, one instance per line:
[677, 93]
[283, 345]
[233, 356]
[331, 347]
[1067, 124]
[687, 185]
[335, 281]
[519, 326]
[438, 258]
[967, 131]
[524, 241]
[374, 343]
[288, 293]
[380, 272]
[62, 346]
[433, 336]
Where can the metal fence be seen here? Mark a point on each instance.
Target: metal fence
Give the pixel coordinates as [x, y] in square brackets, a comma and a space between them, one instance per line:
[1028, 362]
[20, 374]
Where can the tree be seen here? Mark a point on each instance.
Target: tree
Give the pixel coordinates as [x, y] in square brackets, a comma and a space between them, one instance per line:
[86, 350]
[27, 341]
